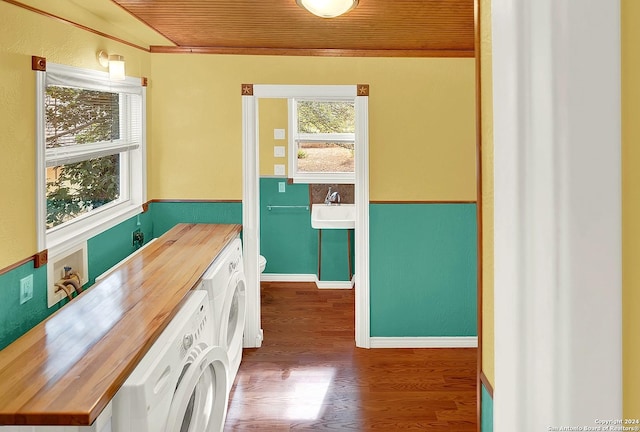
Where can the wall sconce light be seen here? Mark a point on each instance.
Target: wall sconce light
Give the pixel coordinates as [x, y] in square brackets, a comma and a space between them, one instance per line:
[327, 8]
[114, 62]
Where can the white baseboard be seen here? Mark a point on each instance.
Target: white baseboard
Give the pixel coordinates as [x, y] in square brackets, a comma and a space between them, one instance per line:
[335, 284]
[425, 342]
[282, 277]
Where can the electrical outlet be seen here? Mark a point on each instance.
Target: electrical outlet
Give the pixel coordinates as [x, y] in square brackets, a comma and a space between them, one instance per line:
[26, 289]
[281, 187]
[137, 238]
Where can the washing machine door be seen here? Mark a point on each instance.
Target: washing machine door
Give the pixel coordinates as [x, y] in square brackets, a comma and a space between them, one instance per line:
[200, 400]
[233, 312]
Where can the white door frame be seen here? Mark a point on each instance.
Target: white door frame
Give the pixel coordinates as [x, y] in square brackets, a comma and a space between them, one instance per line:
[557, 189]
[251, 198]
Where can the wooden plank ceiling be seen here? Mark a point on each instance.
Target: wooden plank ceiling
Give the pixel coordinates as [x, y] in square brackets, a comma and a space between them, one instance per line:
[410, 28]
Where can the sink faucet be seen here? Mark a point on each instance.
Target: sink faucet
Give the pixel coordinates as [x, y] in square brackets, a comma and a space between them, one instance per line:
[332, 197]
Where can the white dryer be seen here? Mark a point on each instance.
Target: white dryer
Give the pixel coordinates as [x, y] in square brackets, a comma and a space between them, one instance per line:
[181, 382]
[225, 283]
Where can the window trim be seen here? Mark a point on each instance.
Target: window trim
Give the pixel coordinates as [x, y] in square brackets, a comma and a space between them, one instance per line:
[294, 137]
[323, 137]
[133, 176]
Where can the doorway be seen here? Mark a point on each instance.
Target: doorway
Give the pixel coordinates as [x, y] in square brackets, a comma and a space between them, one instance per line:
[251, 198]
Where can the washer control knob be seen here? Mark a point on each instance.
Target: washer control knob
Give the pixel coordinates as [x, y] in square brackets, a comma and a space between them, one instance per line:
[187, 341]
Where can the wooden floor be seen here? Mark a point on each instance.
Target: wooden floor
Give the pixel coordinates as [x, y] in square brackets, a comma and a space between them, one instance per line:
[309, 376]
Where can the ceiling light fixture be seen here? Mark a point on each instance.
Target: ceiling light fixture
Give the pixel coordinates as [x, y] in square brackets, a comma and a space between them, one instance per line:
[328, 8]
[115, 63]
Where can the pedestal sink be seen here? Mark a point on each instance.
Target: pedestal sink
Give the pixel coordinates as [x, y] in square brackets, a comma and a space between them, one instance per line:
[334, 216]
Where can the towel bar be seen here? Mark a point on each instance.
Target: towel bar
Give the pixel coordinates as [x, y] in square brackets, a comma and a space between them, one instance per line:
[269, 207]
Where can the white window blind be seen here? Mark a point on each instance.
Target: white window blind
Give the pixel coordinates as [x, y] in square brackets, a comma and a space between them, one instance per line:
[88, 116]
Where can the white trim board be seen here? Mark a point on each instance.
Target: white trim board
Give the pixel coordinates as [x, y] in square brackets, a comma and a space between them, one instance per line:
[253, 333]
[425, 342]
[557, 213]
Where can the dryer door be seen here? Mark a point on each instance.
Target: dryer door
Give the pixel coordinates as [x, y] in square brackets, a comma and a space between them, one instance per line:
[200, 400]
[233, 312]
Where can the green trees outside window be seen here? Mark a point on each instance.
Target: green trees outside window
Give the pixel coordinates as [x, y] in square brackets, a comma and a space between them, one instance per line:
[76, 117]
[325, 141]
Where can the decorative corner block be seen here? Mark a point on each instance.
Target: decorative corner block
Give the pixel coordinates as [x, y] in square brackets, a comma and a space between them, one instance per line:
[40, 259]
[247, 89]
[363, 89]
[144, 82]
[38, 63]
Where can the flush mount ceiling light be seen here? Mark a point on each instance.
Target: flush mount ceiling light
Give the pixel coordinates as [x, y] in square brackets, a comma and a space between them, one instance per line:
[328, 8]
[114, 62]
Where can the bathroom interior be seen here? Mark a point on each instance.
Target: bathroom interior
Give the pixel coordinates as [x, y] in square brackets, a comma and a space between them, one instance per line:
[292, 246]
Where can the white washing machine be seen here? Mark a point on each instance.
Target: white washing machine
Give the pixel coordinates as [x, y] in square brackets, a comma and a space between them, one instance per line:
[225, 283]
[180, 385]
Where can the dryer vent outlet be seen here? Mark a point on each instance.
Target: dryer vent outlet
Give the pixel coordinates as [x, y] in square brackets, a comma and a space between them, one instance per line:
[138, 238]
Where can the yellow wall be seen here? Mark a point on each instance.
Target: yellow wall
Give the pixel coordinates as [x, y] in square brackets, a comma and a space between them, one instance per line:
[23, 34]
[272, 114]
[421, 113]
[630, 14]
[102, 15]
[487, 193]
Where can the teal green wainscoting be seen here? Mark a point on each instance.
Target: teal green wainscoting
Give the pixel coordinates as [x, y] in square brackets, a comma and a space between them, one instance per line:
[115, 244]
[423, 270]
[103, 251]
[287, 240]
[15, 318]
[486, 423]
[166, 214]
[337, 253]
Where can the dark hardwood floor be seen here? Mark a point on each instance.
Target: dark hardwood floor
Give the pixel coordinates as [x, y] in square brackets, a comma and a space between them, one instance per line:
[309, 376]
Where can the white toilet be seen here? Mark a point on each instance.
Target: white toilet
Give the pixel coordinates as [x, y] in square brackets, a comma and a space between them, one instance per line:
[262, 262]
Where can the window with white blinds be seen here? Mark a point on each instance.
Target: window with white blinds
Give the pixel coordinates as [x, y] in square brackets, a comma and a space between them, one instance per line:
[91, 148]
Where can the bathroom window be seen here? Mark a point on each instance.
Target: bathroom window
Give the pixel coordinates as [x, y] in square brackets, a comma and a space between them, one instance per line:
[91, 150]
[322, 145]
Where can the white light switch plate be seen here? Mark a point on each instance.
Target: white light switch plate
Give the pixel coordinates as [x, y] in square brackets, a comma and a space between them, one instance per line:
[278, 134]
[278, 169]
[26, 288]
[278, 151]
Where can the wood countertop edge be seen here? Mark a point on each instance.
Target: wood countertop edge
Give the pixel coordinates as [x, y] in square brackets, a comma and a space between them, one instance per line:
[78, 394]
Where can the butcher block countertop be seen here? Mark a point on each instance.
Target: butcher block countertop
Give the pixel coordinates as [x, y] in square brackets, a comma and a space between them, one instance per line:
[66, 370]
